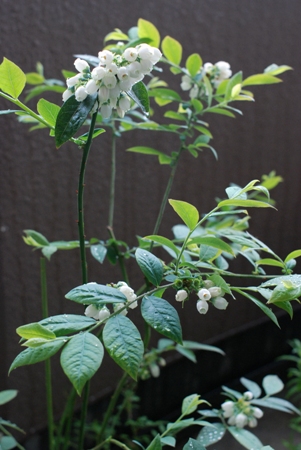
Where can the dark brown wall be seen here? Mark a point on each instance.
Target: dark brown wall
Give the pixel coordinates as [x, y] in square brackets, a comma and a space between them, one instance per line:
[38, 183]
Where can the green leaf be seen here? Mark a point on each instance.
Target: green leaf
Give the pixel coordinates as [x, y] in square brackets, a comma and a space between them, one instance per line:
[165, 94]
[190, 404]
[35, 330]
[272, 384]
[147, 30]
[81, 358]
[168, 440]
[188, 213]
[163, 241]
[212, 242]
[269, 262]
[7, 395]
[274, 69]
[49, 111]
[193, 64]
[220, 282]
[139, 94]
[12, 78]
[277, 403]
[205, 347]
[175, 115]
[34, 78]
[172, 50]
[209, 435]
[161, 316]
[150, 265]
[155, 444]
[163, 159]
[260, 305]
[207, 252]
[124, 344]
[71, 117]
[7, 442]
[222, 111]
[244, 203]
[38, 90]
[251, 386]
[116, 35]
[36, 239]
[37, 354]
[67, 323]
[96, 294]
[193, 444]
[246, 438]
[293, 255]
[285, 291]
[98, 252]
[260, 78]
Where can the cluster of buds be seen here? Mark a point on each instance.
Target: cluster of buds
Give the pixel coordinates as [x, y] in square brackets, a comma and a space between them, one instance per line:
[102, 312]
[216, 73]
[241, 413]
[207, 294]
[151, 365]
[112, 78]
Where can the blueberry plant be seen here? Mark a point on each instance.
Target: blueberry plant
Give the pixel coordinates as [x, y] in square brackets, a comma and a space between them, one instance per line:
[116, 92]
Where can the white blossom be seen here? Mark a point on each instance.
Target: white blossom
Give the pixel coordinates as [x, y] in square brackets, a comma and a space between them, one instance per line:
[215, 291]
[73, 81]
[204, 294]
[252, 422]
[124, 103]
[92, 311]
[109, 81]
[202, 306]
[134, 69]
[224, 72]
[187, 83]
[248, 395]
[181, 295]
[103, 313]
[106, 111]
[103, 94]
[129, 294]
[119, 306]
[154, 370]
[228, 408]
[241, 420]
[105, 57]
[80, 93]
[91, 87]
[81, 65]
[98, 73]
[67, 94]
[208, 67]
[130, 54]
[208, 284]
[257, 412]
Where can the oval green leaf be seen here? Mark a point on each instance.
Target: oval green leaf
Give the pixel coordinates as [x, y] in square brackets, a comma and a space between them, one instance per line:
[193, 64]
[139, 94]
[147, 30]
[188, 213]
[124, 344]
[272, 384]
[246, 438]
[7, 395]
[67, 323]
[96, 294]
[12, 78]
[81, 358]
[35, 330]
[71, 117]
[49, 111]
[150, 265]
[210, 435]
[172, 50]
[161, 316]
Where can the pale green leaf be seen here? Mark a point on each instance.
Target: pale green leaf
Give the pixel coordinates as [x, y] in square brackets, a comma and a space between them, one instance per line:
[148, 30]
[251, 386]
[212, 241]
[272, 384]
[193, 64]
[49, 111]
[12, 78]
[163, 241]
[261, 78]
[293, 255]
[190, 404]
[7, 395]
[209, 435]
[188, 213]
[35, 330]
[172, 50]
[246, 438]
[193, 444]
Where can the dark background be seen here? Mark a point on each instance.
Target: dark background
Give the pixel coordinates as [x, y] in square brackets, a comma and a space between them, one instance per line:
[38, 182]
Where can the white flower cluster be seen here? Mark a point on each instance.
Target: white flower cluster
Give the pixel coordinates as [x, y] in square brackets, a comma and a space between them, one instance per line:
[209, 292]
[112, 78]
[216, 72]
[241, 413]
[102, 312]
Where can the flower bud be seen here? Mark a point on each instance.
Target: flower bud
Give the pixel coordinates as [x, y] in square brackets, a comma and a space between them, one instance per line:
[154, 370]
[257, 412]
[204, 294]
[208, 284]
[106, 111]
[118, 306]
[220, 303]
[248, 395]
[109, 81]
[92, 311]
[252, 422]
[228, 408]
[71, 82]
[202, 306]
[130, 54]
[103, 313]
[105, 57]
[241, 420]
[91, 87]
[67, 94]
[181, 295]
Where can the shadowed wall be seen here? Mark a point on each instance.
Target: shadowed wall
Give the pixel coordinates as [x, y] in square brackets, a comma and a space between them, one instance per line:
[38, 182]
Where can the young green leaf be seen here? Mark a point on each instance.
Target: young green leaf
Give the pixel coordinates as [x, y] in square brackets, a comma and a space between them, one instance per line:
[244, 203]
[96, 294]
[35, 239]
[71, 117]
[35, 330]
[293, 255]
[188, 213]
[212, 241]
[49, 111]
[147, 30]
[12, 78]
[193, 444]
[161, 316]
[150, 265]
[155, 444]
[193, 64]
[98, 251]
[260, 78]
[163, 241]
[172, 50]
[37, 354]
[123, 342]
[251, 386]
[8, 443]
[81, 358]
[190, 404]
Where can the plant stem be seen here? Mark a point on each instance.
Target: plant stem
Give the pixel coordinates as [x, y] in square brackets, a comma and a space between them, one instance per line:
[48, 381]
[113, 179]
[114, 441]
[120, 256]
[80, 201]
[81, 231]
[66, 418]
[112, 405]
[167, 191]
